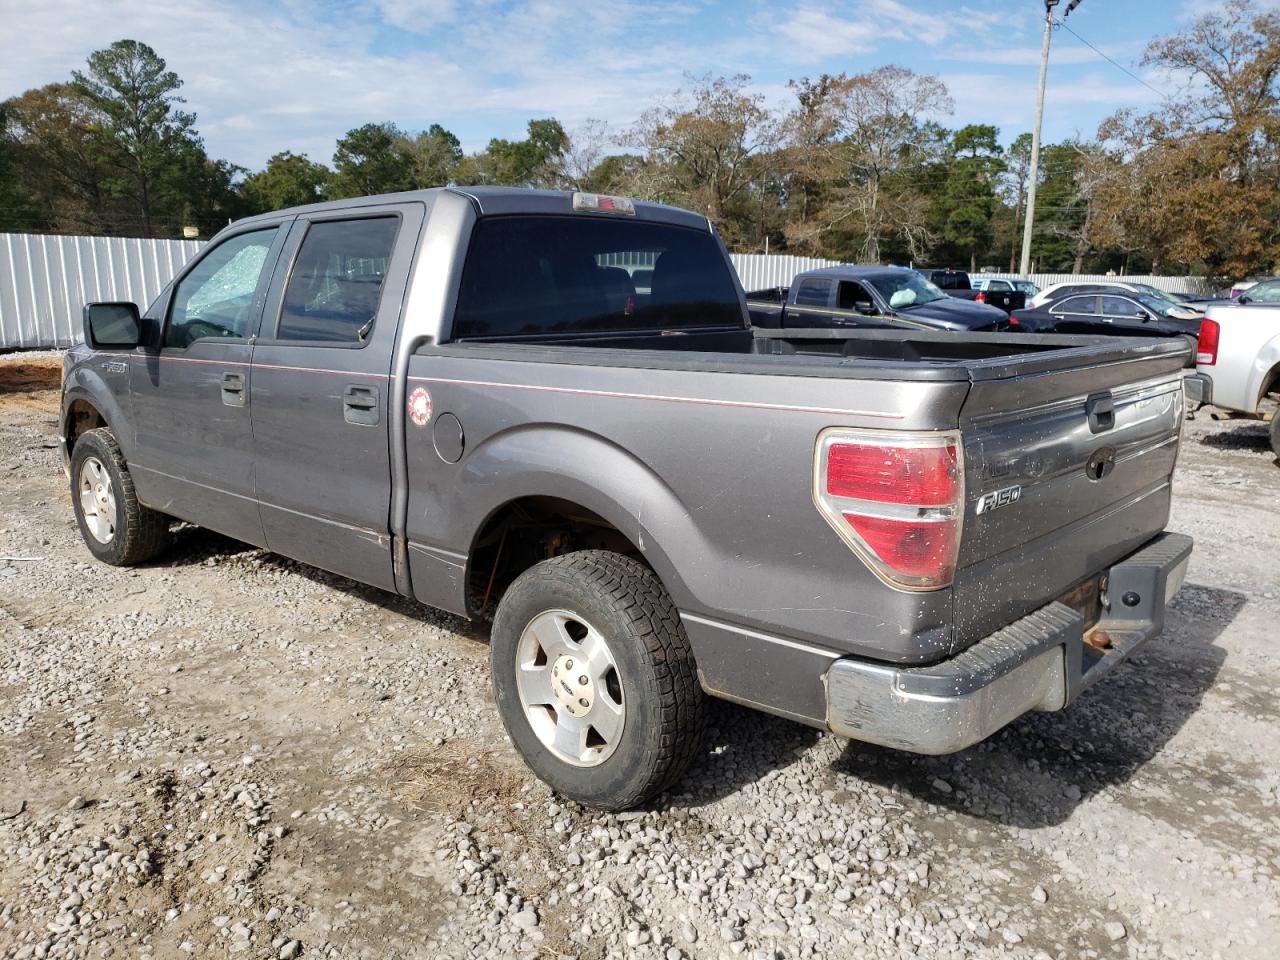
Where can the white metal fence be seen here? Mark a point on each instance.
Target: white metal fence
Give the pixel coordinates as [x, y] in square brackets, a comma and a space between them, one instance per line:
[46, 280]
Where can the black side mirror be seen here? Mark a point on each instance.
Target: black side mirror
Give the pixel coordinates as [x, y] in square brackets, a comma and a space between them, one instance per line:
[111, 326]
[1242, 299]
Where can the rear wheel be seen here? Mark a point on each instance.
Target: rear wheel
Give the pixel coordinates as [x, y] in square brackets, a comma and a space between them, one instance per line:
[115, 527]
[1275, 434]
[595, 680]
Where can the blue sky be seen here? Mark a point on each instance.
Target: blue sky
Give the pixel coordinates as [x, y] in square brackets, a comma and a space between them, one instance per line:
[291, 74]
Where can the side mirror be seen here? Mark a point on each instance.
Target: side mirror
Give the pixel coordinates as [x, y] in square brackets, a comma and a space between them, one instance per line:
[111, 326]
[1242, 299]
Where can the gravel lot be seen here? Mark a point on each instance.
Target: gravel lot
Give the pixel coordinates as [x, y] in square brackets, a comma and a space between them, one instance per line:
[227, 752]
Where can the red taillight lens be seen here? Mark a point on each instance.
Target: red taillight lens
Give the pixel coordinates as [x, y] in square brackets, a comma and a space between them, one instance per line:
[896, 499]
[980, 298]
[916, 475]
[1014, 321]
[926, 550]
[1207, 348]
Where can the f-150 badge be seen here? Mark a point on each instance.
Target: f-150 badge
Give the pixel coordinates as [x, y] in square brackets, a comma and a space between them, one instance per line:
[998, 498]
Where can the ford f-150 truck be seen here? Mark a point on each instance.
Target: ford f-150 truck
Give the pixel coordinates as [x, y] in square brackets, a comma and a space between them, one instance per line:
[464, 396]
[1238, 362]
[869, 297]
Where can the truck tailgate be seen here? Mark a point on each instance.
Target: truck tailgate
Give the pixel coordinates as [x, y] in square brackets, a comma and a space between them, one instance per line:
[1067, 470]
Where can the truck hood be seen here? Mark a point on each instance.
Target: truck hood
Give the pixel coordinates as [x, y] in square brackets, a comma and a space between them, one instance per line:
[956, 314]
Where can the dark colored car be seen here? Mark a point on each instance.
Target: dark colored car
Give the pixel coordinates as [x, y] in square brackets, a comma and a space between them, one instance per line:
[1114, 312]
[956, 283]
[849, 296]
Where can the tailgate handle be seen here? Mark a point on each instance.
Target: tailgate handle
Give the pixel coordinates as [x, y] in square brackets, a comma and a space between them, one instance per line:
[1102, 412]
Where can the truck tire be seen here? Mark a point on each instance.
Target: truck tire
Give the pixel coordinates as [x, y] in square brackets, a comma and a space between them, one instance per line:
[625, 728]
[115, 527]
[1275, 434]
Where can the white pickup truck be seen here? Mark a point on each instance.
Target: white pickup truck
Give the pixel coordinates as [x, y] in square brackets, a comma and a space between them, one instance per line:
[1238, 362]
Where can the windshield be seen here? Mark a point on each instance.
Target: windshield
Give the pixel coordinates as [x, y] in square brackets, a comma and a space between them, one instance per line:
[906, 289]
[1155, 293]
[1155, 304]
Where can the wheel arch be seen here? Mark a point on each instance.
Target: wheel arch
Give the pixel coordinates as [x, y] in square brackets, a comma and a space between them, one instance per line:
[560, 489]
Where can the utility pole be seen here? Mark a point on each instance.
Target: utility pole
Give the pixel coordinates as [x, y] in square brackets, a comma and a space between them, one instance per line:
[1029, 223]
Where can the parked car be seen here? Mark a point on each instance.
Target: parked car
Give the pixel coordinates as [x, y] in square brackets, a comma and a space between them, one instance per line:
[1111, 312]
[1238, 361]
[1025, 287]
[1262, 292]
[1058, 291]
[957, 283]
[890, 297]
[456, 395]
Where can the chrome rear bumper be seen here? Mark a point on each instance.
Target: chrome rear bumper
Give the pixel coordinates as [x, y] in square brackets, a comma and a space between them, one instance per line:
[1040, 662]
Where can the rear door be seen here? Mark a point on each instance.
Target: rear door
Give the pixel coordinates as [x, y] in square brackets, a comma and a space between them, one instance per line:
[321, 376]
[1077, 314]
[193, 444]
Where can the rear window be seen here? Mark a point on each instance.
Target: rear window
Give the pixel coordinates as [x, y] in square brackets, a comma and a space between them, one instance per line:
[530, 275]
[813, 293]
[950, 280]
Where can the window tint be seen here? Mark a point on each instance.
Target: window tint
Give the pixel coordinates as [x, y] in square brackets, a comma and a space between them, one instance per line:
[1002, 286]
[950, 280]
[854, 296]
[1087, 305]
[528, 275]
[215, 298]
[1120, 307]
[337, 279]
[813, 293]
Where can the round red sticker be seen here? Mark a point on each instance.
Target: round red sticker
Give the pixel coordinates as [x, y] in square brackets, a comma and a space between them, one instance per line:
[420, 407]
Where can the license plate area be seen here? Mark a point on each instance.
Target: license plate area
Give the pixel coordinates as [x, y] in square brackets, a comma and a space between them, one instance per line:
[1086, 600]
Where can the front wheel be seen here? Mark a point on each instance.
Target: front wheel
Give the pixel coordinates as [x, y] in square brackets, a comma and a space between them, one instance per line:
[595, 679]
[115, 526]
[1275, 434]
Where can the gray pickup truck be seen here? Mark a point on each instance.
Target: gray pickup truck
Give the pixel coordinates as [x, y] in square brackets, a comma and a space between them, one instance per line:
[550, 410]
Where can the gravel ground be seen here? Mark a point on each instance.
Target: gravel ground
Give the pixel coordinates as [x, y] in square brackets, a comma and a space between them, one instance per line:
[229, 753]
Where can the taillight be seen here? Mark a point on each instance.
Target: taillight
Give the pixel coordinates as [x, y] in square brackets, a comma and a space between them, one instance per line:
[1207, 348]
[980, 298]
[896, 499]
[1014, 321]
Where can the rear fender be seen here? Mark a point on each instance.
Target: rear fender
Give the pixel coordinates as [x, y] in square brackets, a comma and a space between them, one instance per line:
[586, 469]
[1263, 376]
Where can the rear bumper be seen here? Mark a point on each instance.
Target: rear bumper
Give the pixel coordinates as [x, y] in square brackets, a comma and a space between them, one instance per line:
[1199, 390]
[1040, 662]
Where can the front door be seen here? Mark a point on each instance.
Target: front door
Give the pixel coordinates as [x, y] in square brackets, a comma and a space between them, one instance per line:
[193, 441]
[321, 378]
[1128, 318]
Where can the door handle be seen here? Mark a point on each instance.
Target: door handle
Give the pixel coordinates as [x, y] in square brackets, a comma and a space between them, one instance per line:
[1101, 409]
[360, 404]
[233, 389]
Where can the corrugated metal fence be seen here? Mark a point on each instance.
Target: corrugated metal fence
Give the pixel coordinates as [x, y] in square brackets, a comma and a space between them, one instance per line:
[45, 280]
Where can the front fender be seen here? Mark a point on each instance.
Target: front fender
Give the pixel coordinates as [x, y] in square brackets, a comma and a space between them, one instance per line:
[86, 382]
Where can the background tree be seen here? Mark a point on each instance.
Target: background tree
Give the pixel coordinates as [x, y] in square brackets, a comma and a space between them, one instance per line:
[712, 150]
[288, 180]
[434, 155]
[974, 163]
[143, 133]
[371, 159]
[870, 139]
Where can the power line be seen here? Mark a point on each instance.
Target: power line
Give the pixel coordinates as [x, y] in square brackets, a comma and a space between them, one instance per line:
[1119, 66]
